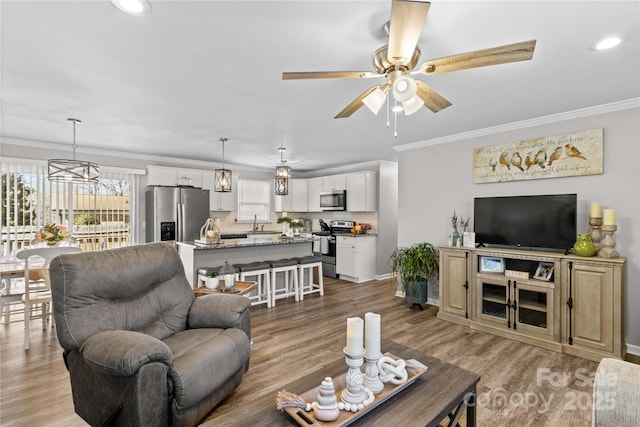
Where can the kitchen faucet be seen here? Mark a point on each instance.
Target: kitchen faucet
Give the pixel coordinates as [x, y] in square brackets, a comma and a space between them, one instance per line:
[255, 223]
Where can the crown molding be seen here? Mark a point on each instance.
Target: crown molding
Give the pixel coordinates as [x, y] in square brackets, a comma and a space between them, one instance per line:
[539, 121]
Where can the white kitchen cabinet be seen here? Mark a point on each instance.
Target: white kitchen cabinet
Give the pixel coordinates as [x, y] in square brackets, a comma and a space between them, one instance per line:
[356, 258]
[161, 175]
[296, 200]
[314, 188]
[298, 195]
[361, 192]
[222, 202]
[334, 182]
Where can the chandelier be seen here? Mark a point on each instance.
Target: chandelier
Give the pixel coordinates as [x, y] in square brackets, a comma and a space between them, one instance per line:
[222, 180]
[283, 173]
[77, 171]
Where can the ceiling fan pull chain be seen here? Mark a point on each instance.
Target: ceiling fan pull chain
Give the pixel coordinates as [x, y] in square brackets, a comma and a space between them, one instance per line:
[395, 121]
[388, 107]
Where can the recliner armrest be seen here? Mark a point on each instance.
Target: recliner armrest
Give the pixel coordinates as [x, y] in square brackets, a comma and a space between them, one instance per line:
[122, 353]
[220, 311]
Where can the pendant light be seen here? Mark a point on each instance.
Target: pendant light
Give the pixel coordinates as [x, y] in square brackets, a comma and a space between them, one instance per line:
[222, 183]
[283, 173]
[77, 171]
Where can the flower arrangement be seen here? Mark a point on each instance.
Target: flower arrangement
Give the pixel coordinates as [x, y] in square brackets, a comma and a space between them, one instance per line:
[52, 234]
[454, 221]
[464, 224]
[459, 221]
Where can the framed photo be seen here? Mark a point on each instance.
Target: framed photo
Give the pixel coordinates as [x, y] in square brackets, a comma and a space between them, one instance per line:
[469, 239]
[489, 264]
[544, 271]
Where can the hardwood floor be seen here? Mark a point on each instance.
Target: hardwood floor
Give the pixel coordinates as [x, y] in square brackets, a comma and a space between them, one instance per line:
[520, 385]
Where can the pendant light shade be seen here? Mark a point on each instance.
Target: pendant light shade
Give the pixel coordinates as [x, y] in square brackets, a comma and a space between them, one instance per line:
[222, 178]
[283, 173]
[76, 171]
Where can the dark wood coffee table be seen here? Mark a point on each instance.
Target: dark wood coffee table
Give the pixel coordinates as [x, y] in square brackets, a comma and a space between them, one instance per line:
[444, 390]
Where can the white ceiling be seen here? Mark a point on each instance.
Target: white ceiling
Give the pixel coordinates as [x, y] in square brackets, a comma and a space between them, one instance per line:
[173, 82]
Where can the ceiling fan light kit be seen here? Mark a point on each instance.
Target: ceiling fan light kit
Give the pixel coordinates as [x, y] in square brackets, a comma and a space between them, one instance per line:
[400, 56]
[73, 171]
[222, 177]
[375, 100]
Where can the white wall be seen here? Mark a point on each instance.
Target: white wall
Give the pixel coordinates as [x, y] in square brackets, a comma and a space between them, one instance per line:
[435, 180]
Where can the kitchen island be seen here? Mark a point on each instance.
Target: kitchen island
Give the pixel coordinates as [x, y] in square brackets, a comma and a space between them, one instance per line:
[253, 248]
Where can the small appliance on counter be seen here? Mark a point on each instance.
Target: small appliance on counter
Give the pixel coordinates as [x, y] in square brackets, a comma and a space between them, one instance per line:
[361, 228]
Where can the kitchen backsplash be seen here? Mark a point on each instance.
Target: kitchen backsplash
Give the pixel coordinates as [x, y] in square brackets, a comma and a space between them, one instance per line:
[226, 220]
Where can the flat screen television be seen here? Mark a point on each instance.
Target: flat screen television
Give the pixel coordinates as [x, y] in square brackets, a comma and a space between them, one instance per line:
[540, 221]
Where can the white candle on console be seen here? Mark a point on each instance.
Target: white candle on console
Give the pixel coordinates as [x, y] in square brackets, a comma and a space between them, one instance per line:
[595, 211]
[355, 332]
[609, 217]
[372, 334]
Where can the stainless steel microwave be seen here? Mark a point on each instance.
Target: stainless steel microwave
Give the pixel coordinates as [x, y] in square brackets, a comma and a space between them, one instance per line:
[333, 200]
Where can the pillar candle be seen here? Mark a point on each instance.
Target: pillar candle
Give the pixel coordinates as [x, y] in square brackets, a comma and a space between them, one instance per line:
[372, 334]
[609, 217]
[355, 333]
[595, 211]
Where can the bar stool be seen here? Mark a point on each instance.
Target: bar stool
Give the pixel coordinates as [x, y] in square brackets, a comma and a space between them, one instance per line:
[289, 268]
[306, 265]
[262, 272]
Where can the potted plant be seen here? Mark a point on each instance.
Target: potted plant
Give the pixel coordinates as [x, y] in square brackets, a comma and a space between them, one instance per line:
[415, 265]
[212, 281]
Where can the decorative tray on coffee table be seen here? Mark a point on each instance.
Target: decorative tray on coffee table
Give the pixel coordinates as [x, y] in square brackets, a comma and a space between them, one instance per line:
[304, 418]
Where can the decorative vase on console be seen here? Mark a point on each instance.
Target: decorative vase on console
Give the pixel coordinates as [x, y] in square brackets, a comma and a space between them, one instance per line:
[584, 246]
[454, 224]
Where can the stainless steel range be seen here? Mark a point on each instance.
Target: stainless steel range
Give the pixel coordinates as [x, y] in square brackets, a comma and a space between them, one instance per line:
[328, 243]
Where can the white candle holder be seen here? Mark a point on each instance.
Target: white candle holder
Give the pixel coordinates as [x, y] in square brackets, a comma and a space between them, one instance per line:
[354, 393]
[371, 378]
[596, 235]
[608, 242]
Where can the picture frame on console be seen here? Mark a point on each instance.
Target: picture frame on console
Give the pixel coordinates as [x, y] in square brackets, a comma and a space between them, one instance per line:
[544, 271]
[490, 264]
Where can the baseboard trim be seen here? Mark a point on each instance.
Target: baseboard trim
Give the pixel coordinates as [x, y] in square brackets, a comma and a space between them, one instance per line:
[633, 349]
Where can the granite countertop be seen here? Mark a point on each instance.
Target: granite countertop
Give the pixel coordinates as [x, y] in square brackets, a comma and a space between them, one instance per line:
[256, 240]
[357, 234]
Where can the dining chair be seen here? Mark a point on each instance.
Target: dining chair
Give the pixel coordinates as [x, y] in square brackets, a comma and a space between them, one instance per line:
[37, 289]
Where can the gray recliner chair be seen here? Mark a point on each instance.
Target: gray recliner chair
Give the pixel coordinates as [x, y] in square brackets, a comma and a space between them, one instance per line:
[141, 350]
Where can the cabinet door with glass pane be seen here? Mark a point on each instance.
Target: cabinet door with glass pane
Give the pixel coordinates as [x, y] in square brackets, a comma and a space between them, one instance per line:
[494, 299]
[533, 307]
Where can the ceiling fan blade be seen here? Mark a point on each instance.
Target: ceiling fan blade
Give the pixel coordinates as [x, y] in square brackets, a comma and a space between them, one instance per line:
[357, 103]
[329, 75]
[407, 21]
[522, 51]
[432, 99]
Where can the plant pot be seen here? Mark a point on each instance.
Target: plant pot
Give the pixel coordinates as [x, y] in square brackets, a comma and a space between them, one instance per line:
[212, 283]
[416, 292]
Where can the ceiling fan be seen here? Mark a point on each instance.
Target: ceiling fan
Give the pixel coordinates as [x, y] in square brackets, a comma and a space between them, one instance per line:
[397, 60]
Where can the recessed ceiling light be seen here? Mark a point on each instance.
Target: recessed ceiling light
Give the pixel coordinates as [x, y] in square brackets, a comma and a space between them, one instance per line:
[606, 43]
[133, 7]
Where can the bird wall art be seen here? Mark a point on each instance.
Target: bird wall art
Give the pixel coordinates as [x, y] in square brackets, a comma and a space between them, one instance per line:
[575, 154]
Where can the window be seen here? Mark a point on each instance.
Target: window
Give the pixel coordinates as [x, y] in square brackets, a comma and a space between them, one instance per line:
[98, 216]
[254, 200]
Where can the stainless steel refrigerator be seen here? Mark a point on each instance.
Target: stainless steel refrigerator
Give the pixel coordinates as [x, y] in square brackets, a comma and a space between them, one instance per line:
[175, 213]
